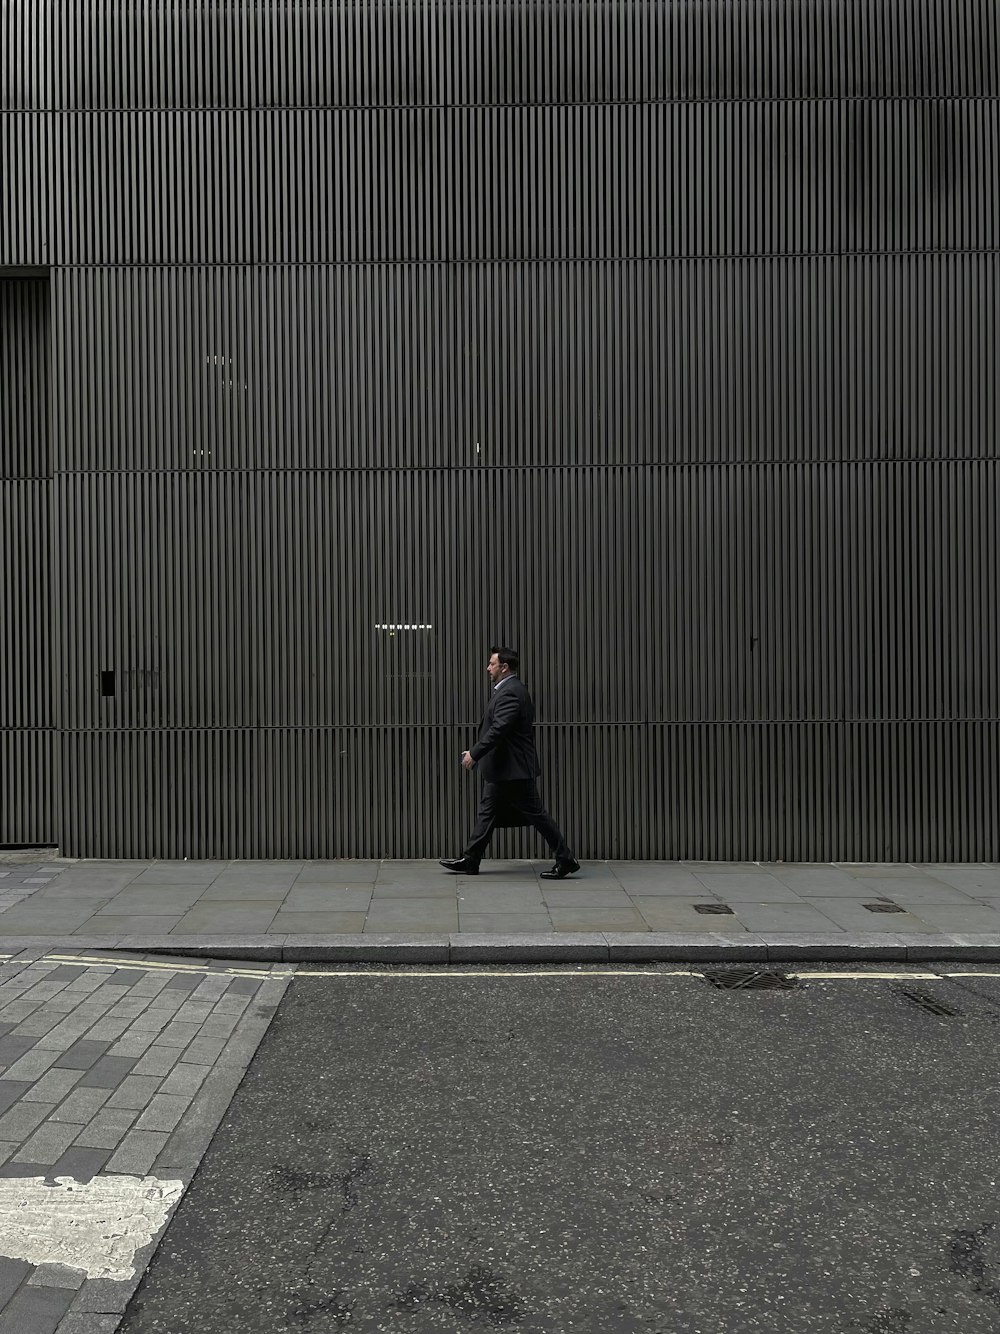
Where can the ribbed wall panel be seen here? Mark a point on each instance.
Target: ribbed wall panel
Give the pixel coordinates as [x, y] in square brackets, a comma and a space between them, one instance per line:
[803, 792]
[405, 52]
[28, 790]
[25, 337]
[520, 182]
[26, 678]
[798, 592]
[25, 606]
[494, 364]
[24, 188]
[659, 339]
[25, 55]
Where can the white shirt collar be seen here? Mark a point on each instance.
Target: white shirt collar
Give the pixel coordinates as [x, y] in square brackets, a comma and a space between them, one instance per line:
[506, 678]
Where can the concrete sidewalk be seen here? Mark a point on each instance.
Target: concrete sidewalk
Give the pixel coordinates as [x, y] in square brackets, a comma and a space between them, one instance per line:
[394, 910]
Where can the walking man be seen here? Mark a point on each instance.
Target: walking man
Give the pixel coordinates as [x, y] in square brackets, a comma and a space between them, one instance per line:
[506, 747]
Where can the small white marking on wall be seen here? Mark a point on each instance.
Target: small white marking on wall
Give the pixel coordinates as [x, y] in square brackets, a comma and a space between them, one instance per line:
[96, 1226]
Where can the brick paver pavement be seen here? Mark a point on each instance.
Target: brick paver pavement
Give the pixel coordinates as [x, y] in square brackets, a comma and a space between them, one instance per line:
[108, 1073]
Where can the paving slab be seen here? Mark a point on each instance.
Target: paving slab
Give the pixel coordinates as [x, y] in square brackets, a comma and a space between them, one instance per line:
[797, 916]
[925, 889]
[247, 887]
[824, 881]
[169, 875]
[415, 914]
[99, 877]
[35, 1310]
[106, 1295]
[296, 922]
[57, 893]
[166, 899]
[978, 875]
[427, 887]
[315, 897]
[128, 924]
[954, 917]
[896, 870]
[220, 918]
[559, 894]
[231, 894]
[688, 888]
[347, 872]
[596, 919]
[12, 1274]
[753, 888]
[423, 887]
[503, 924]
[79, 1322]
[501, 898]
[852, 915]
[51, 919]
[677, 914]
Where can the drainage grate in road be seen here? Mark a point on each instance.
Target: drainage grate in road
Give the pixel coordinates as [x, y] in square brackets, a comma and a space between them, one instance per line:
[750, 979]
[884, 907]
[716, 908]
[927, 1002]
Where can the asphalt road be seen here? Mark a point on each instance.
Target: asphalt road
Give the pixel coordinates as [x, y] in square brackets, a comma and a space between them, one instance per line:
[600, 1153]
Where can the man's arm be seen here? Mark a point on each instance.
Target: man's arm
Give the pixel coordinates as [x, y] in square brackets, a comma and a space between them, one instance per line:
[505, 715]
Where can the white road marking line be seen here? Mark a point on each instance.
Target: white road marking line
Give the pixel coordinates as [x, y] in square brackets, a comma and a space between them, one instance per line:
[497, 971]
[841, 977]
[446, 970]
[696, 973]
[96, 1226]
[89, 961]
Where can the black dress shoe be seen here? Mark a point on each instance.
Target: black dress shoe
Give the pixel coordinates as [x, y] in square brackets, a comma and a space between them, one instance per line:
[561, 870]
[462, 865]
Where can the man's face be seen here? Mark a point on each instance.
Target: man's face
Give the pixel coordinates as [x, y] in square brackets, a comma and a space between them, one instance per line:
[496, 669]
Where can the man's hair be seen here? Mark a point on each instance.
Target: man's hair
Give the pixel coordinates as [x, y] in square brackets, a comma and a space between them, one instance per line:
[507, 655]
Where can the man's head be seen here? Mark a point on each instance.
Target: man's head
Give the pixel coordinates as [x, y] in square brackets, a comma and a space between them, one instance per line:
[503, 662]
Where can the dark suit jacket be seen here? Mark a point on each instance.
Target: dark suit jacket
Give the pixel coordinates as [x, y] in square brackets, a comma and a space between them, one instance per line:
[505, 751]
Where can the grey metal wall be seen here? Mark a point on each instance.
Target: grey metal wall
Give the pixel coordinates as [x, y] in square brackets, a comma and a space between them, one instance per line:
[659, 339]
[26, 682]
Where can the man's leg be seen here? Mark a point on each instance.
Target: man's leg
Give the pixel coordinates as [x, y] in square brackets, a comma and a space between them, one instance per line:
[524, 799]
[486, 818]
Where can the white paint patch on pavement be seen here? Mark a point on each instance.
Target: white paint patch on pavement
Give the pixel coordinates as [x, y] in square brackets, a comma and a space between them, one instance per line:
[97, 1225]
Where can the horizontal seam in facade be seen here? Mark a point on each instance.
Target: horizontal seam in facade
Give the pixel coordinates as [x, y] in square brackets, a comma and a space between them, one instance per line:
[450, 468]
[157, 729]
[445, 261]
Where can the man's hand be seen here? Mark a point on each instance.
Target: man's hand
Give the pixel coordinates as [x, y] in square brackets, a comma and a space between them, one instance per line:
[467, 760]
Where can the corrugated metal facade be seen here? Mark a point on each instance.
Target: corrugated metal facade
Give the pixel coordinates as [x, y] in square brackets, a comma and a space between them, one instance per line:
[659, 339]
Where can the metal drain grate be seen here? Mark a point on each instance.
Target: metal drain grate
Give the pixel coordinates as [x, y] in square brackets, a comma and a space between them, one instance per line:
[750, 979]
[927, 1002]
[884, 907]
[714, 908]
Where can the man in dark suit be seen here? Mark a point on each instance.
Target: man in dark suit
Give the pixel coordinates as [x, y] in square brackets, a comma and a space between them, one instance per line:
[506, 754]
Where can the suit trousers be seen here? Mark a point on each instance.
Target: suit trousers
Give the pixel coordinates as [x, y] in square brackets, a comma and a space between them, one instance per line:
[518, 798]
